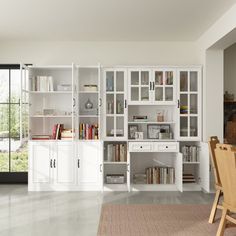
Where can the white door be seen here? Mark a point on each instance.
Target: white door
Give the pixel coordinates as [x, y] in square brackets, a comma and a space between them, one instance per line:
[64, 164]
[204, 159]
[40, 163]
[90, 165]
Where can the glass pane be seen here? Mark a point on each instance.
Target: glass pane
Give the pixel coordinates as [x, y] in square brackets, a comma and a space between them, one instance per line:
[119, 126]
[193, 127]
[15, 86]
[158, 94]
[183, 81]
[109, 81]
[4, 121]
[134, 94]
[110, 104]
[145, 94]
[144, 78]
[120, 81]
[193, 81]
[183, 104]
[15, 120]
[169, 78]
[4, 85]
[169, 94]
[193, 104]
[4, 155]
[158, 78]
[19, 156]
[183, 126]
[120, 104]
[110, 132]
[134, 78]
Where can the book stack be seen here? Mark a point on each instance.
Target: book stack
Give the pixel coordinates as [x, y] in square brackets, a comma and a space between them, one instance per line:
[140, 178]
[41, 137]
[140, 118]
[190, 153]
[188, 178]
[42, 83]
[116, 152]
[67, 134]
[160, 175]
[88, 131]
[57, 130]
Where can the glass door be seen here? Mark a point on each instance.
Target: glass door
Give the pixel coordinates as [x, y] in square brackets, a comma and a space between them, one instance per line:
[189, 102]
[163, 87]
[115, 104]
[140, 86]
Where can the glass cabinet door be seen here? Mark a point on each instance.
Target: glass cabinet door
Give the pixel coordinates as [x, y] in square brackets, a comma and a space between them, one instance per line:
[140, 86]
[189, 97]
[163, 86]
[115, 104]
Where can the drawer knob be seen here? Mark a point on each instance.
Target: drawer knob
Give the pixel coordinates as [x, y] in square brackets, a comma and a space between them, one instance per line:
[141, 146]
[166, 146]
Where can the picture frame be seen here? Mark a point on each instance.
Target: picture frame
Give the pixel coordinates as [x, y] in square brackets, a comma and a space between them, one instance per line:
[153, 131]
[132, 130]
[165, 129]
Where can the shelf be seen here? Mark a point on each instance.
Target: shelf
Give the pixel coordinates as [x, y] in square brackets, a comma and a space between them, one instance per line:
[115, 92]
[150, 122]
[94, 116]
[116, 115]
[191, 187]
[89, 92]
[115, 187]
[188, 92]
[191, 163]
[186, 115]
[151, 140]
[153, 187]
[50, 92]
[42, 116]
[114, 162]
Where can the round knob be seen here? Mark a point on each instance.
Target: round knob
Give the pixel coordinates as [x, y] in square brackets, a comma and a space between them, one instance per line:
[166, 146]
[141, 146]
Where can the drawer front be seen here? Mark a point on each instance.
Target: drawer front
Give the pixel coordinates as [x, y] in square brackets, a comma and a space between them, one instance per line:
[140, 147]
[166, 147]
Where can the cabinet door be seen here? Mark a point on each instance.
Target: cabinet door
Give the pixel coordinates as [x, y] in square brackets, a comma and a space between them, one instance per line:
[140, 86]
[40, 163]
[189, 104]
[164, 86]
[64, 163]
[90, 165]
[115, 104]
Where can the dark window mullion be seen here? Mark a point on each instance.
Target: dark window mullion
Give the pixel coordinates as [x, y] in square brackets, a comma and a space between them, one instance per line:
[9, 125]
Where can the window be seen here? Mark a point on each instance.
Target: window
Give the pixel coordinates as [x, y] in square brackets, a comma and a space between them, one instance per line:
[13, 146]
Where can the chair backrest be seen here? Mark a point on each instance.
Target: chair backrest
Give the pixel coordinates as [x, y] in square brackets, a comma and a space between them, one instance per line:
[212, 145]
[226, 161]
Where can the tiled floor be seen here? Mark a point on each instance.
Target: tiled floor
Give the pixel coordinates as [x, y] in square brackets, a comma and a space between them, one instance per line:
[72, 213]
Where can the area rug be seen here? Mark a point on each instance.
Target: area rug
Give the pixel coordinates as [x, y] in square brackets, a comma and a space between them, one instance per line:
[158, 220]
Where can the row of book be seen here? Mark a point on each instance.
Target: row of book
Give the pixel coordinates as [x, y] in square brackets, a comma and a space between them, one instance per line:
[160, 175]
[116, 152]
[42, 83]
[190, 153]
[188, 178]
[88, 131]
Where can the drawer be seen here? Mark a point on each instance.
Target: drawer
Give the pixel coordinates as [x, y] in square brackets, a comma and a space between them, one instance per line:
[166, 147]
[140, 147]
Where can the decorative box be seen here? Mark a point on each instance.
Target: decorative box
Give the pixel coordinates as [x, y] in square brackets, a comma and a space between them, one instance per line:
[115, 179]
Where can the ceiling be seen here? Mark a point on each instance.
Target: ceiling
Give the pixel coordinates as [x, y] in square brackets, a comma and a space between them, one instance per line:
[109, 20]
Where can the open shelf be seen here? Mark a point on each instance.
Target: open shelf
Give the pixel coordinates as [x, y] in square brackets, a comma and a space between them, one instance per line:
[115, 187]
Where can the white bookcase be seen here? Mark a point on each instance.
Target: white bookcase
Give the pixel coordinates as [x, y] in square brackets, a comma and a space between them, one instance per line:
[127, 123]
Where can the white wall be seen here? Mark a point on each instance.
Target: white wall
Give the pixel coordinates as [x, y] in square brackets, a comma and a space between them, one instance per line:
[230, 69]
[107, 53]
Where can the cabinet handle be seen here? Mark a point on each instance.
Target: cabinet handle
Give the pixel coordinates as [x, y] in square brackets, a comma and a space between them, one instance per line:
[153, 85]
[73, 102]
[54, 163]
[100, 102]
[51, 163]
[150, 85]
[178, 103]
[125, 103]
[78, 163]
[100, 167]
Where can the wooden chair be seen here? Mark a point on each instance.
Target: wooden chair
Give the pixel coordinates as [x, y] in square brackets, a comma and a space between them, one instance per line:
[212, 145]
[226, 162]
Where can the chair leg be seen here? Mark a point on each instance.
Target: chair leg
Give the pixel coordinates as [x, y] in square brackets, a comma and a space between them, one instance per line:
[214, 206]
[221, 228]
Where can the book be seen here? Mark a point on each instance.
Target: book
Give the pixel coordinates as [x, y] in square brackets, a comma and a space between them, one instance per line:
[41, 137]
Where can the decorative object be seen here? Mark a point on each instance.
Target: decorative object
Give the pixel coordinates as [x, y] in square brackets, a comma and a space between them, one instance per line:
[138, 135]
[160, 116]
[165, 129]
[48, 112]
[153, 131]
[115, 179]
[132, 130]
[88, 104]
[90, 87]
[64, 87]
[140, 118]
[165, 136]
